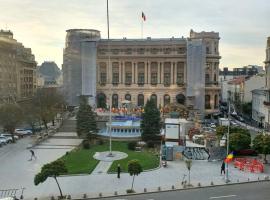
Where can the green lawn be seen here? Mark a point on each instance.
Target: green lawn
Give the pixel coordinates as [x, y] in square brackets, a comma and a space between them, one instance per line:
[81, 161]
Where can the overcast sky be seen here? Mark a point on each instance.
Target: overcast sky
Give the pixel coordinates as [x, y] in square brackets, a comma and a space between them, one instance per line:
[243, 25]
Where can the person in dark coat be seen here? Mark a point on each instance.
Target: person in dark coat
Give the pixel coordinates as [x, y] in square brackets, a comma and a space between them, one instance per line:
[222, 168]
[32, 155]
[118, 171]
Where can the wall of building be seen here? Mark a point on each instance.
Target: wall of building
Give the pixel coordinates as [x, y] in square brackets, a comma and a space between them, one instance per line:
[254, 82]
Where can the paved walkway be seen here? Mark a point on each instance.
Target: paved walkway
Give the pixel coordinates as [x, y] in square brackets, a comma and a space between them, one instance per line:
[102, 167]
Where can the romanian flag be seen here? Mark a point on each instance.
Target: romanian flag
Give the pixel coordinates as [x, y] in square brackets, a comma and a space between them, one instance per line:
[229, 158]
[143, 17]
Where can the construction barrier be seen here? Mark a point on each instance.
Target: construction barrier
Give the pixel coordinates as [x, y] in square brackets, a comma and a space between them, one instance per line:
[249, 164]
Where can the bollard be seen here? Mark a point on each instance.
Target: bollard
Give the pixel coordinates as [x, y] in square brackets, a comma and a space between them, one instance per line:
[100, 194]
[84, 196]
[173, 187]
[237, 180]
[248, 179]
[212, 183]
[115, 193]
[199, 184]
[144, 190]
[159, 188]
[258, 178]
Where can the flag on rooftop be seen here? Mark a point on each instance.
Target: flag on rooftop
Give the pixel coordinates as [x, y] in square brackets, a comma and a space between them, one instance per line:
[143, 17]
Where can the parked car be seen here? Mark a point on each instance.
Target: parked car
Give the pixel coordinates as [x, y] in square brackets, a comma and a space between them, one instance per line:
[9, 136]
[3, 140]
[23, 132]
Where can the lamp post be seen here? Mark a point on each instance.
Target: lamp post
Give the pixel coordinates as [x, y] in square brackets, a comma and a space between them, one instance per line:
[228, 139]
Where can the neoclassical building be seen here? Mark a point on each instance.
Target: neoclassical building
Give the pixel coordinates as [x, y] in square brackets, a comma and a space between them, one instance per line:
[183, 70]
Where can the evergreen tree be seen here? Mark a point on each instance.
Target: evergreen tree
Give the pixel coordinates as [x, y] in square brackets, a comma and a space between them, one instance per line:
[86, 120]
[151, 122]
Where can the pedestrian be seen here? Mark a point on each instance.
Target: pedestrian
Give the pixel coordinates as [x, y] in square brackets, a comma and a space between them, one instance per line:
[32, 155]
[222, 168]
[118, 171]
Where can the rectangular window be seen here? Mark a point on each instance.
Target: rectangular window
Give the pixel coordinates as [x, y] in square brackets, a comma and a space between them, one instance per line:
[154, 78]
[180, 78]
[115, 78]
[103, 78]
[128, 78]
[167, 78]
[141, 78]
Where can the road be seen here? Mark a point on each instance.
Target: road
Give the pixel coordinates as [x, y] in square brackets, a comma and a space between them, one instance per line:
[248, 191]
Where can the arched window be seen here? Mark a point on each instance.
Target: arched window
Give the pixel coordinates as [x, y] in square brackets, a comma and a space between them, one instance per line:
[101, 100]
[154, 98]
[216, 101]
[166, 99]
[207, 102]
[181, 99]
[115, 100]
[140, 100]
[128, 97]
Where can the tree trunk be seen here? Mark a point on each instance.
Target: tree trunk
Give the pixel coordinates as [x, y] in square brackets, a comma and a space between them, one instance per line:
[265, 160]
[132, 182]
[11, 131]
[61, 194]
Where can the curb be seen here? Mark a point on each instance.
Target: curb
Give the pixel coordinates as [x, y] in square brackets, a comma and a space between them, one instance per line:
[169, 190]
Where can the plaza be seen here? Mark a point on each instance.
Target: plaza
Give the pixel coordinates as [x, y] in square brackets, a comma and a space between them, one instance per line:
[16, 172]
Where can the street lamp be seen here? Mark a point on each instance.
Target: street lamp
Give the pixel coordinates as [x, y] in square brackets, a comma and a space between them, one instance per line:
[228, 139]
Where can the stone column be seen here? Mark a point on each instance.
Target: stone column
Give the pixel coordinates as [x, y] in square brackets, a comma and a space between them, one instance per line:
[121, 72]
[175, 72]
[172, 66]
[135, 73]
[132, 72]
[162, 72]
[149, 73]
[124, 73]
[145, 72]
[158, 75]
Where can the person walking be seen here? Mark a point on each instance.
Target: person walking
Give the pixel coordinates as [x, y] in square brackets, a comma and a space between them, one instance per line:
[118, 171]
[32, 155]
[222, 168]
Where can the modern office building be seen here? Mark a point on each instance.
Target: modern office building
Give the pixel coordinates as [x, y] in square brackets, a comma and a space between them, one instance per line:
[17, 69]
[182, 70]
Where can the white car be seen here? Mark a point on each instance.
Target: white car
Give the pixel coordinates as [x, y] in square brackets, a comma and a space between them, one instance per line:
[23, 132]
[3, 140]
[9, 136]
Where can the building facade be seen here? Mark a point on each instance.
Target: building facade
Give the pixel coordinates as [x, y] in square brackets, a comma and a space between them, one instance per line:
[261, 97]
[182, 70]
[17, 69]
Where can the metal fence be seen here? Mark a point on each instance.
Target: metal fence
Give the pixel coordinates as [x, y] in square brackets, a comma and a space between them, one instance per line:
[17, 193]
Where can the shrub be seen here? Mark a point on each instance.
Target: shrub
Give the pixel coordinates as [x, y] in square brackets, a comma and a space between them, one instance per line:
[130, 191]
[150, 144]
[100, 142]
[132, 145]
[86, 144]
